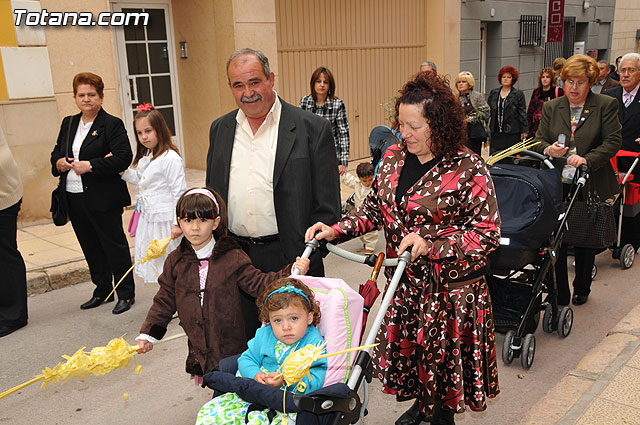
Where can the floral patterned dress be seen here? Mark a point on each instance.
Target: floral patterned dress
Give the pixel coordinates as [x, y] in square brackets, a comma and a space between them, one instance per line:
[437, 341]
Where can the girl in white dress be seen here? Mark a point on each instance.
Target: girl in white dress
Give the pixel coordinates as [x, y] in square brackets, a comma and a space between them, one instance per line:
[158, 171]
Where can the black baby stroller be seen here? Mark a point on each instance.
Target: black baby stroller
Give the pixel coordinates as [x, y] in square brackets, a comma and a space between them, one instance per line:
[523, 267]
[336, 404]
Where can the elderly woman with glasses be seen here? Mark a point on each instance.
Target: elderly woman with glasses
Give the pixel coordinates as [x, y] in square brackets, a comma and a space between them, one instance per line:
[592, 130]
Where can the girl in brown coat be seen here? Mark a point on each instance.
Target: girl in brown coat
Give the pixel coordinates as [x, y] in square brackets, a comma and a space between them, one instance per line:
[201, 281]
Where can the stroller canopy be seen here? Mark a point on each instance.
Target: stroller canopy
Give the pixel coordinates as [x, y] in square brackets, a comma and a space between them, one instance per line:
[529, 201]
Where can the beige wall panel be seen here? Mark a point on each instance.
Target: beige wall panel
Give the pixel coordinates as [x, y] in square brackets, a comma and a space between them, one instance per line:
[28, 35]
[31, 146]
[27, 72]
[254, 11]
[92, 48]
[198, 77]
[626, 21]
[371, 47]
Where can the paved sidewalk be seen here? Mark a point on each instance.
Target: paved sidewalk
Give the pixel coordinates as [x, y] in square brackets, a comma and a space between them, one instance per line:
[604, 388]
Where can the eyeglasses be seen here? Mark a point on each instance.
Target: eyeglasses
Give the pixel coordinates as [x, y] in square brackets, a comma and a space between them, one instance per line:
[628, 70]
[580, 83]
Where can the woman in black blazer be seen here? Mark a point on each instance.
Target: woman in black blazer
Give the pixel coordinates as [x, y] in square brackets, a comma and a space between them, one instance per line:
[91, 150]
[508, 112]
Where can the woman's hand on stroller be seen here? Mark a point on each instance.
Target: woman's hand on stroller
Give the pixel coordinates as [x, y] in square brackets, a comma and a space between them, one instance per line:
[576, 160]
[302, 264]
[418, 244]
[326, 232]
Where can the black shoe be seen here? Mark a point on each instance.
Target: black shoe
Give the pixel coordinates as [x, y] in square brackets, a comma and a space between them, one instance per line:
[442, 416]
[123, 305]
[6, 330]
[579, 299]
[94, 302]
[412, 416]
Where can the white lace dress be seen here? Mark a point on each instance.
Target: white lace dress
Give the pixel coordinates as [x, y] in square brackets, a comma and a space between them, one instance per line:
[160, 183]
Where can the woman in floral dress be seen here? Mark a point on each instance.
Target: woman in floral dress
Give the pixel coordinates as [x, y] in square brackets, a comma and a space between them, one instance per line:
[436, 198]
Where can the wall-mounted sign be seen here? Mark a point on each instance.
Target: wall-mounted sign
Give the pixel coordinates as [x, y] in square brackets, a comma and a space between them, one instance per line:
[555, 21]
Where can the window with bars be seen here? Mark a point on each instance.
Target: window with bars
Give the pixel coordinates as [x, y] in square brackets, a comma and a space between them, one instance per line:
[530, 30]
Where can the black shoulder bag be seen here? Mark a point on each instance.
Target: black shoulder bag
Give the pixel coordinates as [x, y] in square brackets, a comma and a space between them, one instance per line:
[59, 202]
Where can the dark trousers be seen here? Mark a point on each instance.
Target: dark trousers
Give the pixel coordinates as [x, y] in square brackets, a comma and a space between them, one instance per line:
[104, 246]
[268, 257]
[585, 258]
[13, 283]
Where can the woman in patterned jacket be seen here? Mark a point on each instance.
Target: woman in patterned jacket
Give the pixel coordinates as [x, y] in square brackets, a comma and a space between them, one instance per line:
[435, 196]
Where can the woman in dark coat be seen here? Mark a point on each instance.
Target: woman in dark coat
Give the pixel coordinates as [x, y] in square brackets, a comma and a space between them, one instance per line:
[437, 342]
[508, 112]
[91, 150]
[547, 89]
[593, 136]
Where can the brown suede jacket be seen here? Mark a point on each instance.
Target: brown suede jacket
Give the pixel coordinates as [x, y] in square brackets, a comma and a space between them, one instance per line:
[215, 330]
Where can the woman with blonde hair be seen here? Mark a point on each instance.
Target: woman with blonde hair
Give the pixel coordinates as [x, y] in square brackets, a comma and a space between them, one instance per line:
[476, 109]
[593, 136]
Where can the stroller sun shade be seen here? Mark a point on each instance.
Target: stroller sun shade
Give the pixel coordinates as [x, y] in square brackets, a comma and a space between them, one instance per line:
[529, 201]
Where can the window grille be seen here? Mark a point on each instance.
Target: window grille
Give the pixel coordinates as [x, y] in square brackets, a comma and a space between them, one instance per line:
[530, 30]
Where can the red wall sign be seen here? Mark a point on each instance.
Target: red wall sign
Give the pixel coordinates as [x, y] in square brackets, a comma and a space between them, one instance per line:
[555, 21]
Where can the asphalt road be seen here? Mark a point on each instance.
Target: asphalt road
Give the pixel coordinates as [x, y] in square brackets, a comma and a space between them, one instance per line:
[163, 393]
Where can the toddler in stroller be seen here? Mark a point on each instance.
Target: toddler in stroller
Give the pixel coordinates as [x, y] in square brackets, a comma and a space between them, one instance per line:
[341, 310]
[291, 311]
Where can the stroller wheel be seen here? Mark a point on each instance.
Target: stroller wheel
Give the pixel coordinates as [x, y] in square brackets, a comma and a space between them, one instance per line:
[594, 272]
[627, 255]
[547, 320]
[507, 351]
[528, 351]
[565, 321]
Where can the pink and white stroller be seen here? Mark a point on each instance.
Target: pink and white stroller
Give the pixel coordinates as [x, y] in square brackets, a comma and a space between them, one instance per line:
[339, 401]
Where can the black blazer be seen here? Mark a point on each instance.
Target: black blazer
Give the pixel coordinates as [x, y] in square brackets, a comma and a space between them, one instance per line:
[104, 188]
[305, 175]
[629, 118]
[515, 112]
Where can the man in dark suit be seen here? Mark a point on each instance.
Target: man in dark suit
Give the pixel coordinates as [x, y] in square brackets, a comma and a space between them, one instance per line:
[275, 166]
[629, 107]
[604, 81]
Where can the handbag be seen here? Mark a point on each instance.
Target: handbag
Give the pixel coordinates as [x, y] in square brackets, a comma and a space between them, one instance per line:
[591, 224]
[476, 130]
[133, 222]
[59, 203]
[59, 206]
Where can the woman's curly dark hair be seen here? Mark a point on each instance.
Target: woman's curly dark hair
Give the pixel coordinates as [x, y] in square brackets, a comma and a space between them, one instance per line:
[281, 300]
[441, 109]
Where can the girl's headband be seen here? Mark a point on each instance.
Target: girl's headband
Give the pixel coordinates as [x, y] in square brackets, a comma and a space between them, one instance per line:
[289, 288]
[206, 193]
[143, 107]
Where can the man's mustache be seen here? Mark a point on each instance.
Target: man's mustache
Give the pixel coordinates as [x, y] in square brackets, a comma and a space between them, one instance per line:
[253, 98]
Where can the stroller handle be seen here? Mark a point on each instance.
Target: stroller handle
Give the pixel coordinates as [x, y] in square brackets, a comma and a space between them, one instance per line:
[313, 244]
